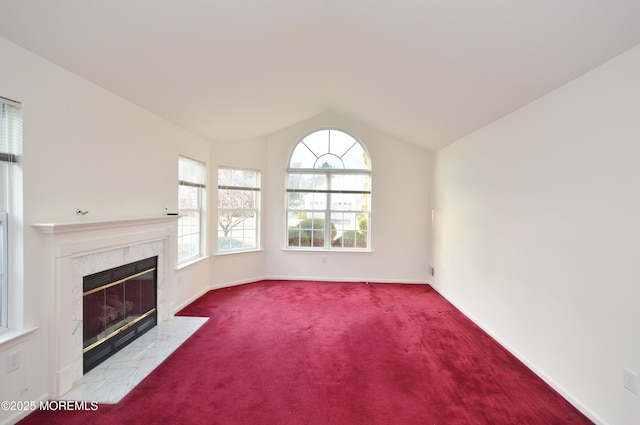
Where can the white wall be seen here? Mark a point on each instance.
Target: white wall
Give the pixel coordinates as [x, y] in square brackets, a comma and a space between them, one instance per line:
[83, 148]
[536, 235]
[400, 199]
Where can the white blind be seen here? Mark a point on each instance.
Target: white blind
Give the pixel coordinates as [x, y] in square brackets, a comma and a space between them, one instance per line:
[10, 130]
[191, 172]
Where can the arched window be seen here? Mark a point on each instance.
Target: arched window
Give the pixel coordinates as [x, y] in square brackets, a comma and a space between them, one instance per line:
[329, 193]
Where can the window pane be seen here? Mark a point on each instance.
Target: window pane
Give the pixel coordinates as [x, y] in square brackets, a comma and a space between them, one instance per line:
[350, 202]
[314, 201]
[359, 182]
[341, 149]
[356, 158]
[306, 228]
[226, 243]
[318, 142]
[351, 230]
[307, 201]
[238, 177]
[307, 181]
[340, 142]
[238, 208]
[329, 161]
[295, 200]
[250, 179]
[241, 236]
[189, 234]
[345, 202]
[302, 157]
[224, 176]
[237, 199]
[188, 197]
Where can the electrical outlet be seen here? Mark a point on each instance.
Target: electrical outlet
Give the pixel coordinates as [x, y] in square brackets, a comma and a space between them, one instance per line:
[13, 361]
[631, 380]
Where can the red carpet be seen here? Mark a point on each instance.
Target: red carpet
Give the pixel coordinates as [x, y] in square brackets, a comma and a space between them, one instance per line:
[285, 352]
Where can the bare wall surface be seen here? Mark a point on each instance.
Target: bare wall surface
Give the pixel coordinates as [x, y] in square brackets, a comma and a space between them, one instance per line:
[536, 235]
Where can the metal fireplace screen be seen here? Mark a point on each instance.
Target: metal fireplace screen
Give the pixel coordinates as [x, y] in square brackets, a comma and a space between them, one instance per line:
[119, 305]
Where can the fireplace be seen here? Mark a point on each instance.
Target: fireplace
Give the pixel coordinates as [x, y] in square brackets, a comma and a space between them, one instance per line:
[85, 248]
[119, 305]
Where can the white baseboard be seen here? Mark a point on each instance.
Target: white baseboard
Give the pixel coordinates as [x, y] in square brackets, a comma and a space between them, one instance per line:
[312, 279]
[236, 283]
[347, 279]
[553, 384]
[190, 300]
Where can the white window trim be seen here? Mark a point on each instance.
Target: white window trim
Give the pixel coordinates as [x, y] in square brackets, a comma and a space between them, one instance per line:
[13, 288]
[256, 210]
[202, 252]
[4, 272]
[327, 211]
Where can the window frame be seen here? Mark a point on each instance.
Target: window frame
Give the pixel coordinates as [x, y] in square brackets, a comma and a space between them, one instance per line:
[329, 210]
[11, 260]
[199, 211]
[256, 192]
[4, 270]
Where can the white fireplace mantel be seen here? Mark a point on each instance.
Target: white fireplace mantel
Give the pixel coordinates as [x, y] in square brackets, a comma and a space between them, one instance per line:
[84, 247]
[82, 226]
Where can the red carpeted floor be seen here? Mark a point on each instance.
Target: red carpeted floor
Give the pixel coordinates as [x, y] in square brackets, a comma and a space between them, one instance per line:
[289, 352]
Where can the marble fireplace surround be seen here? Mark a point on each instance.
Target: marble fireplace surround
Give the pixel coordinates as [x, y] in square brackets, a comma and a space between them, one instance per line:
[81, 248]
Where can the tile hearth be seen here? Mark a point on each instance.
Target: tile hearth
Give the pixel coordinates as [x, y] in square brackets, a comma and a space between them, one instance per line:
[112, 380]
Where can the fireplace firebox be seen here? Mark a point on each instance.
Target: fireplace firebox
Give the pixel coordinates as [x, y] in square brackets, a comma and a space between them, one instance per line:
[119, 305]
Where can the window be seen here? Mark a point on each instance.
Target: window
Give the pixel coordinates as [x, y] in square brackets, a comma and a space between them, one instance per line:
[191, 196]
[10, 150]
[238, 209]
[329, 193]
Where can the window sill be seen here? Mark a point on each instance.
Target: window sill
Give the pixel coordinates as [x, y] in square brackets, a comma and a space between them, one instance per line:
[328, 251]
[191, 262]
[13, 337]
[246, 251]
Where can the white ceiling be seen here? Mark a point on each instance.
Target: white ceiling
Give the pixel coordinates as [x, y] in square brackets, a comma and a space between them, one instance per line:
[426, 71]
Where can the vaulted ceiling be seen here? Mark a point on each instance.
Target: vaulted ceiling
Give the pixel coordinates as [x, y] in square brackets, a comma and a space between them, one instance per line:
[425, 71]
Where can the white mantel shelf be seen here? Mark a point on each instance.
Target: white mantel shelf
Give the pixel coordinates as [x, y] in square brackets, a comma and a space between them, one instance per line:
[83, 226]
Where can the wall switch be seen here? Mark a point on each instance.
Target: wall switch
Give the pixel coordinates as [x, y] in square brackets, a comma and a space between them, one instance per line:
[631, 380]
[13, 361]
